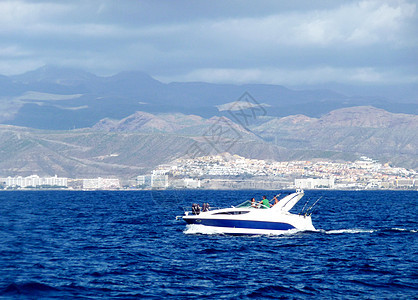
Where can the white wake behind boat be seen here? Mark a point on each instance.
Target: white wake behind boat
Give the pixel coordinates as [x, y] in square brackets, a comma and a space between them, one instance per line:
[247, 219]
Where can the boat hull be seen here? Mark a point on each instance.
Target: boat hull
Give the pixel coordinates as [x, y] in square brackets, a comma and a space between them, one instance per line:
[248, 224]
[267, 225]
[196, 229]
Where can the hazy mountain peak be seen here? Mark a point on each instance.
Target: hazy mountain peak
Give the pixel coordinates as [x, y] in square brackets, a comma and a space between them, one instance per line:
[170, 123]
[55, 74]
[145, 122]
[298, 119]
[133, 76]
[179, 117]
[367, 116]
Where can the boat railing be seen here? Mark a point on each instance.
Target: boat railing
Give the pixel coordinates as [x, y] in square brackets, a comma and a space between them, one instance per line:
[246, 203]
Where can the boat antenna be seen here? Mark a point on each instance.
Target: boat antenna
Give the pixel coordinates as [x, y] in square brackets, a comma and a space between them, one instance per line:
[301, 212]
[309, 211]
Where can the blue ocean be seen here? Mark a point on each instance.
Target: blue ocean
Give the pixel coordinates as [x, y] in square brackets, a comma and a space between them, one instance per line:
[128, 244]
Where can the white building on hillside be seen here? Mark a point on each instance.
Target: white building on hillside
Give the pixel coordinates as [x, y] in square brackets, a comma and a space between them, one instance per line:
[34, 181]
[159, 181]
[143, 181]
[191, 183]
[313, 183]
[101, 183]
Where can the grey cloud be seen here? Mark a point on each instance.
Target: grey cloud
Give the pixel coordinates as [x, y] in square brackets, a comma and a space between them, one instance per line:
[222, 41]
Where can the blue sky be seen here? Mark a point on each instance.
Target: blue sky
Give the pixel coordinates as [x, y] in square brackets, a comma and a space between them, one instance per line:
[274, 42]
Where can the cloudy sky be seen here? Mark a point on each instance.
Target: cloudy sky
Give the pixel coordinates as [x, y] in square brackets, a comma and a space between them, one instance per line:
[280, 42]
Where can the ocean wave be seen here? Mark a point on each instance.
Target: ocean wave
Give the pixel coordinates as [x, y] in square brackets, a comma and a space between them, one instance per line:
[380, 231]
[276, 290]
[354, 230]
[286, 232]
[201, 229]
[211, 251]
[396, 229]
[27, 288]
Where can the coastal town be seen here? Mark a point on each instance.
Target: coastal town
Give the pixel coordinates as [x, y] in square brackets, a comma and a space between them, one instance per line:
[225, 171]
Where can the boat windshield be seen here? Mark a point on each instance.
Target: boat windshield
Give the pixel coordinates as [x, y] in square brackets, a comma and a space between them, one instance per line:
[244, 204]
[247, 204]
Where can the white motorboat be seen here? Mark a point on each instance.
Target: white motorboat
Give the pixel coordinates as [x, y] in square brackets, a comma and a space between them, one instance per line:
[248, 218]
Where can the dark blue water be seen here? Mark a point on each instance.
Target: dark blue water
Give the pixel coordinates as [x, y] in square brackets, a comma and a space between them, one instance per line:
[122, 245]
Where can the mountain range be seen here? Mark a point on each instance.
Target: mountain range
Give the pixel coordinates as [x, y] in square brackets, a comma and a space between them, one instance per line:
[76, 124]
[57, 98]
[138, 143]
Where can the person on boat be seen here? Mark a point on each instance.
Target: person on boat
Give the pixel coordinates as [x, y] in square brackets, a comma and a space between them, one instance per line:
[275, 201]
[253, 204]
[195, 209]
[205, 207]
[264, 203]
